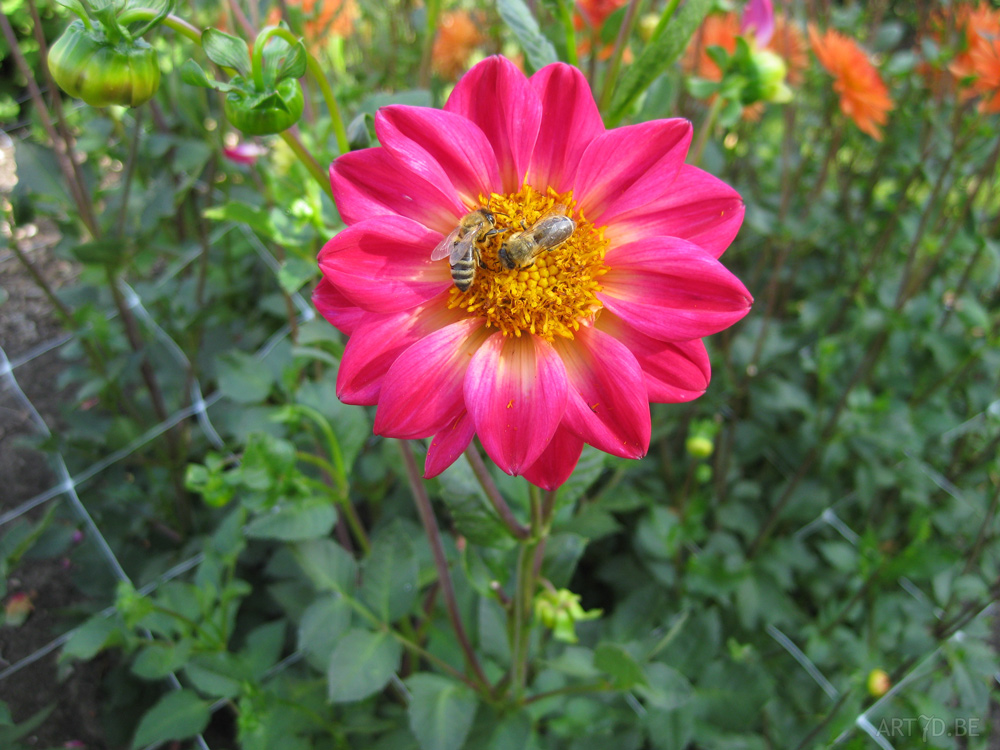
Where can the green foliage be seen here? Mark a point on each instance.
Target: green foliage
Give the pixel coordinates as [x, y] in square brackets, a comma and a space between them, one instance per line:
[517, 16]
[827, 508]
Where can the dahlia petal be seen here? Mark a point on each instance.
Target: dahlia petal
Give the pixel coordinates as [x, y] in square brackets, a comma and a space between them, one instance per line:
[384, 264]
[626, 168]
[697, 207]
[570, 121]
[607, 404]
[557, 461]
[331, 303]
[449, 444]
[671, 289]
[376, 342]
[497, 97]
[422, 392]
[674, 371]
[758, 19]
[516, 392]
[441, 147]
[370, 182]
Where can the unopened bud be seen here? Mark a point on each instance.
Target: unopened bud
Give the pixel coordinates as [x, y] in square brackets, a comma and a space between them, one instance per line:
[878, 683]
[699, 446]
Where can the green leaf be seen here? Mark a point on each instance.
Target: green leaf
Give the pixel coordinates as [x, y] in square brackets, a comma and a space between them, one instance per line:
[514, 732]
[537, 48]
[588, 469]
[293, 65]
[294, 522]
[108, 252]
[226, 50]
[661, 52]
[219, 674]
[666, 688]
[243, 213]
[361, 664]
[177, 716]
[156, 661]
[242, 379]
[88, 639]
[263, 647]
[322, 625]
[470, 511]
[562, 553]
[9, 733]
[329, 566]
[441, 711]
[615, 661]
[389, 584]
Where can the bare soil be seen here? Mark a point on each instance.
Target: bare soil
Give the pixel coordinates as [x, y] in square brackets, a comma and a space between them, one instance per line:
[27, 320]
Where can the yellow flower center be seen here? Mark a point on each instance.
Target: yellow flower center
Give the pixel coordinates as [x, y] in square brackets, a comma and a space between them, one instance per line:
[553, 296]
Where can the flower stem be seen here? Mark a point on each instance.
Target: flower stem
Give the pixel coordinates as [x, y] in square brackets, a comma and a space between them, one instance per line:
[433, 12]
[566, 18]
[339, 131]
[624, 31]
[706, 127]
[291, 138]
[174, 22]
[496, 499]
[528, 568]
[426, 513]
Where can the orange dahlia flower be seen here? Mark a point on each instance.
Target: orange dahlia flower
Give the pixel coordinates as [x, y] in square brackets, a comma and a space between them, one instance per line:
[568, 348]
[977, 66]
[789, 43]
[323, 18]
[716, 31]
[458, 35]
[863, 96]
[597, 11]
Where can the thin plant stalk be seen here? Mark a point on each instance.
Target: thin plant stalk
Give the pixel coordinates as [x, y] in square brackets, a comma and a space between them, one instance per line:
[426, 513]
[430, 31]
[493, 494]
[291, 138]
[569, 32]
[706, 127]
[316, 71]
[621, 42]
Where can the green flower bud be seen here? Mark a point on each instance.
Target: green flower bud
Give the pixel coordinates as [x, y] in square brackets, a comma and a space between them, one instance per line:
[878, 683]
[770, 72]
[267, 113]
[560, 611]
[85, 64]
[699, 446]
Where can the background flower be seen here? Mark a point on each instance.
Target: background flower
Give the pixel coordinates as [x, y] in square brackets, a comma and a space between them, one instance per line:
[457, 36]
[535, 361]
[863, 96]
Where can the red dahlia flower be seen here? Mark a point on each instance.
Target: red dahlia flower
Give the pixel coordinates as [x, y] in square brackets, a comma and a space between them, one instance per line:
[535, 361]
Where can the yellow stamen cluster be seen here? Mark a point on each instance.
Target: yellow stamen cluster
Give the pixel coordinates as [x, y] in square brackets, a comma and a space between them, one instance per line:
[556, 294]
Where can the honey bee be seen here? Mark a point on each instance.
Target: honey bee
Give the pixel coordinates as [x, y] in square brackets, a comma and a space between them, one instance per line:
[550, 231]
[461, 246]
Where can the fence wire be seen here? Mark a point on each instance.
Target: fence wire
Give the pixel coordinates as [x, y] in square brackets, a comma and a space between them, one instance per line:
[68, 485]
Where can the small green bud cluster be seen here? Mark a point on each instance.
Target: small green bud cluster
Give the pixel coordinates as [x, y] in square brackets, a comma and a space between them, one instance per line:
[560, 610]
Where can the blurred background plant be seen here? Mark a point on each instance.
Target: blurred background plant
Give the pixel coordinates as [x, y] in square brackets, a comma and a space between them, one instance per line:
[807, 556]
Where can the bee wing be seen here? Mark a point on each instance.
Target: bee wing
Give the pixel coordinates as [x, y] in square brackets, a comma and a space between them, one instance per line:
[560, 209]
[444, 247]
[462, 248]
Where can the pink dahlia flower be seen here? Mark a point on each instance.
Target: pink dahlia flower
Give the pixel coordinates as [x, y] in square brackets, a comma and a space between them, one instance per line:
[536, 361]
